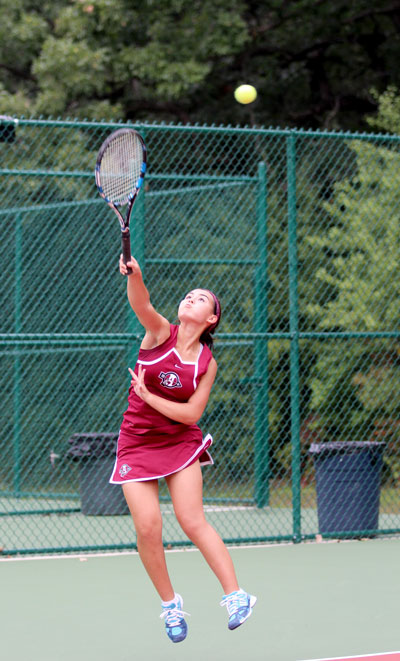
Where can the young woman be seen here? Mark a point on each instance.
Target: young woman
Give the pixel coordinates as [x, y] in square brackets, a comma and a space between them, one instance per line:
[159, 438]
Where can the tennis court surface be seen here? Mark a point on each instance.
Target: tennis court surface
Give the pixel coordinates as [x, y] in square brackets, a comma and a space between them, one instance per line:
[315, 601]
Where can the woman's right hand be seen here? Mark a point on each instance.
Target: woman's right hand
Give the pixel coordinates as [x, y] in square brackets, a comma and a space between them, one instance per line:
[138, 383]
[133, 265]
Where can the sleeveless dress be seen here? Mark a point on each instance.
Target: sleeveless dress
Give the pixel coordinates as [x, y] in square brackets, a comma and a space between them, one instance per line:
[150, 445]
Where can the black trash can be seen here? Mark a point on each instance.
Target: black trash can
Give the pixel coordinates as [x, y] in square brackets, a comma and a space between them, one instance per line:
[348, 475]
[96, 454]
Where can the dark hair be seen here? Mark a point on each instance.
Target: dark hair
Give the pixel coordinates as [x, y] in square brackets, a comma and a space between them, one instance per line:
[207, 335]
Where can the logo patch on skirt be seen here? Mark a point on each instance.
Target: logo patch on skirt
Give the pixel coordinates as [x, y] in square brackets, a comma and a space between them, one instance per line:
[124, 470]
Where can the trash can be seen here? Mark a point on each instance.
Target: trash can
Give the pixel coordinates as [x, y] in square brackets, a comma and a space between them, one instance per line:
[348, 475]
[96, 455]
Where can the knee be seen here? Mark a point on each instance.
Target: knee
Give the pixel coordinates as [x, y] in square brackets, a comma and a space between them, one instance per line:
[149, 530]
[191, 525]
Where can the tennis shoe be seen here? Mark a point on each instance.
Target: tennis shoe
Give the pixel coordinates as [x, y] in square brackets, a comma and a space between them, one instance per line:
[175, 624]
[239, 605]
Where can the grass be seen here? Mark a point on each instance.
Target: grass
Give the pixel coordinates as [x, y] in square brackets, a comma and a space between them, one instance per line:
[280, 495]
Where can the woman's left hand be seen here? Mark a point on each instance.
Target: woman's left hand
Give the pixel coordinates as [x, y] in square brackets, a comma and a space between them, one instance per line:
[138, 383]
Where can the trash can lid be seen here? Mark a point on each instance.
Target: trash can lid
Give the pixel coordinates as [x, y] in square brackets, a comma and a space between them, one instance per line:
[92, 444]
[345, 446]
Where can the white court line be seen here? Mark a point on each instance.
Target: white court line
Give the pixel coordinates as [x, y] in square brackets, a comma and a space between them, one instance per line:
[113, 554]
[168, 509]
[83, 555]
[358, 656]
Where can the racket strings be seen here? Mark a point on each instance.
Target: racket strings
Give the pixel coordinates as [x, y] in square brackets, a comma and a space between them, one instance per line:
[121, 167]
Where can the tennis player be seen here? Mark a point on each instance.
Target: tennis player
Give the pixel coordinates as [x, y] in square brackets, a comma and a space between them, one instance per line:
[159, 438]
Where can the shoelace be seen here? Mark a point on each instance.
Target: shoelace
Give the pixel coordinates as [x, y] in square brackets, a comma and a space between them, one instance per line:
[173, 616]
[234, 601]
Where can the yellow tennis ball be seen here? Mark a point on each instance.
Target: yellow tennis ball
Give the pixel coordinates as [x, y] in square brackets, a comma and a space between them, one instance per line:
[245, 94]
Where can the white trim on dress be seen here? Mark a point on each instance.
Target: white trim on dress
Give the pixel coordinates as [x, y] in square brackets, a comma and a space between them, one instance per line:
[173, 350]
[157, 360]
[184, 362]
[200, 450]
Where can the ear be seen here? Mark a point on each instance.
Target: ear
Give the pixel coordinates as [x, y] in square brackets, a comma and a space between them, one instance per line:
[212, 319]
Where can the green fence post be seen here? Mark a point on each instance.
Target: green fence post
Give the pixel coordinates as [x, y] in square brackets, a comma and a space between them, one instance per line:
[261, 449]
[294, 336]
[17, 360]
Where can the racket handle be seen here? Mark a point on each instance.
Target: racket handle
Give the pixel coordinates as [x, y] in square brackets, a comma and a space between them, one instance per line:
[126, 247]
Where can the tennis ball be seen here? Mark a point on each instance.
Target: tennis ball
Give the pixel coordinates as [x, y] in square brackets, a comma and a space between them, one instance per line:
[245, 94]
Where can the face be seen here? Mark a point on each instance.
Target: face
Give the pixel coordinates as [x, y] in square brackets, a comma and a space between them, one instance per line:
[198, 305]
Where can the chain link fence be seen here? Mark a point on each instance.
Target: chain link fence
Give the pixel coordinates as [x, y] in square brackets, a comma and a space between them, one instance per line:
[298, 233]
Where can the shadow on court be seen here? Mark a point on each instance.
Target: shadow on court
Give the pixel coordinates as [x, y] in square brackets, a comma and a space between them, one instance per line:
[314, 601]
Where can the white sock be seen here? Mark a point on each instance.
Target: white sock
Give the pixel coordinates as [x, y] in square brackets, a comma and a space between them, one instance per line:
[168, 603]
[235, 591]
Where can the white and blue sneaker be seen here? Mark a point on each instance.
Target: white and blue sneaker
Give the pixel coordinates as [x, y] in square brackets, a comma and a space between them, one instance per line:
[239, 605]
[175, 624]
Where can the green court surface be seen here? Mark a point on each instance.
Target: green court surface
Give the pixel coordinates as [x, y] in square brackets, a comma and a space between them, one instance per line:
[314, 601]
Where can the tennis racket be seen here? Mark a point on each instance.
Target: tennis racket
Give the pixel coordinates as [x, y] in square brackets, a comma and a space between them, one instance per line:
[120, 169]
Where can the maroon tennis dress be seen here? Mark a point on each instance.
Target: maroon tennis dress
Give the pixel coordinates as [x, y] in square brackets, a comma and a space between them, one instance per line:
[150, 445]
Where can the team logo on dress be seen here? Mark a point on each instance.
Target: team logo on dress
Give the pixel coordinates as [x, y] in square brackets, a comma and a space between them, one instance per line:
[170, 380]
[124, 470]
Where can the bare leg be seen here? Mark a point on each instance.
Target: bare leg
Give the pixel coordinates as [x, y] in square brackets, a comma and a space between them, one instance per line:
[143, 503]
[186, 489]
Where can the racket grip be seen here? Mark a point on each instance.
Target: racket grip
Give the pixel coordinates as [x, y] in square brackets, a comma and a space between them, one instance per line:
[126, 247]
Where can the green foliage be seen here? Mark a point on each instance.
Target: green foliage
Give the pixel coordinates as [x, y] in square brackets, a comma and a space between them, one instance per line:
[312, 63]
[364, 244]
[95, 57]
[356, 383]
[80, 76]
[388, 116]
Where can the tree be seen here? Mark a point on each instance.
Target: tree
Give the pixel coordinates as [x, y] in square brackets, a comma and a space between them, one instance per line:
[312, 62]
[356, 381]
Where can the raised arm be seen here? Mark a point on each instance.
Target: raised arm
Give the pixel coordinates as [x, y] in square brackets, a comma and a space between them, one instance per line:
[157, 327]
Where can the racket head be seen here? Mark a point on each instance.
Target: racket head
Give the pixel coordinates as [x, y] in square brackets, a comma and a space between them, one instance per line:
[121, 166]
